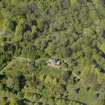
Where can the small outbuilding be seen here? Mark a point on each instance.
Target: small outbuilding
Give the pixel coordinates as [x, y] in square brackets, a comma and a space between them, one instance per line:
[54, 62]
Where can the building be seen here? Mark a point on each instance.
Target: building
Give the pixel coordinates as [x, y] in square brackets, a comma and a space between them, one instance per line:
[54, 62]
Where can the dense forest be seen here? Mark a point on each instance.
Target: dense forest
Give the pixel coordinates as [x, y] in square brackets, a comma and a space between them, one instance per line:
[52, 52]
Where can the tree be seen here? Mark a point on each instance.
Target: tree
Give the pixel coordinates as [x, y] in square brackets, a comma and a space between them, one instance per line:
[64, 52]
[19, 29]
[50, 50]
[73, 2]
[3, 101]
[13, 101]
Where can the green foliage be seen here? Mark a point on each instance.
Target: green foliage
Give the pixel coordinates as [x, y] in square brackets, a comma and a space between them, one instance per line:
[73, 2]
[52, 52]
[13, 101]
[65, 52]
[51, 49]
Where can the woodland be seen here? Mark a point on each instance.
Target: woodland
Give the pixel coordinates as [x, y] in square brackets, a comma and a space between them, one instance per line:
[52, 52]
